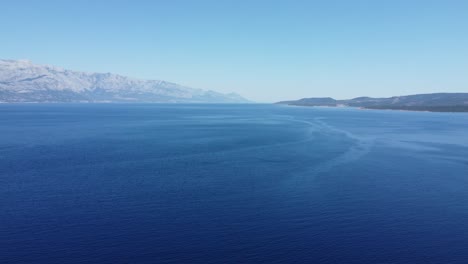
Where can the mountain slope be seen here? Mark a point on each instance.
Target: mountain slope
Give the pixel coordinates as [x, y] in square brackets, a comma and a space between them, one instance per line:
[436, 102]
[23, 81]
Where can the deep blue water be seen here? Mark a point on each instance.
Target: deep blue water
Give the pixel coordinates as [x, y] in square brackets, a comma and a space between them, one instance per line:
[123, 183]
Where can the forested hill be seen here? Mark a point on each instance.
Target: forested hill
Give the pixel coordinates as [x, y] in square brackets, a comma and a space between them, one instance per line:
[437, 102]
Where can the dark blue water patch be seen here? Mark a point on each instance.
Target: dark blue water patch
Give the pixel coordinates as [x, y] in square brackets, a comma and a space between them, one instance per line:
[124, 183]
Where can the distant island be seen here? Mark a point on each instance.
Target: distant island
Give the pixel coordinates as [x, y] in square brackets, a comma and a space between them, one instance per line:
[436, 102]
[22, 81]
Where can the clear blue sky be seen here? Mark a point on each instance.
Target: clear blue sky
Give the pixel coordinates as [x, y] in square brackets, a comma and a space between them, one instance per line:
[264, 50]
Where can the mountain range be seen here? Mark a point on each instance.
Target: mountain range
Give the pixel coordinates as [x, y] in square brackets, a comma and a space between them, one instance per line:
[24, 81]
[436, 102]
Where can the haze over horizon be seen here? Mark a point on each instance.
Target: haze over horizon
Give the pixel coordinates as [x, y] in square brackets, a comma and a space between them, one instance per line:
[266, 51]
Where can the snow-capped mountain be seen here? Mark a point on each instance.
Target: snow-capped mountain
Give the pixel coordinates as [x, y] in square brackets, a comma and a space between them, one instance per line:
[23, 81]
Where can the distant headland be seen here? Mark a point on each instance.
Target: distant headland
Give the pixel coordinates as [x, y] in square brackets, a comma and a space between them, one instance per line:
[436, 102]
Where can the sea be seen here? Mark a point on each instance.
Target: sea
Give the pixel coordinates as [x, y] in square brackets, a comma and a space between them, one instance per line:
[231, 183]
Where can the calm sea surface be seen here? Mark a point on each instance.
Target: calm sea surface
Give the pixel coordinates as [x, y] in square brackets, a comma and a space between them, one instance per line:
[143, 183]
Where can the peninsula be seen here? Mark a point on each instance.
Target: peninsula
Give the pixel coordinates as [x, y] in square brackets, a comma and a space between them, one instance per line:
[436, 102]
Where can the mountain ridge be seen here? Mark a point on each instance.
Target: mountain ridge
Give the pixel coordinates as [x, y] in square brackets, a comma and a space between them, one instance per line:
[24, 81]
